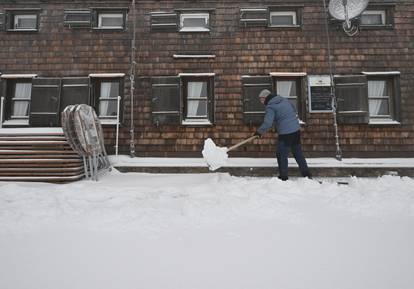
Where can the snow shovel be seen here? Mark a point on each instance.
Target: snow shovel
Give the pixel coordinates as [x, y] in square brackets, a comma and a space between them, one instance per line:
[216, 157]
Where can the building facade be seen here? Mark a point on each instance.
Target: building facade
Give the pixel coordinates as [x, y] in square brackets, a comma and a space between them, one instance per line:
[199, 65]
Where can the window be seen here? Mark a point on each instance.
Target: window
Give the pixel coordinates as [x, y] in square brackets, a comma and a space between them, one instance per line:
[285, 84]
[111, 21]
[17, 90]
[109, 18]
[21, 100]
[22, 20]
[383, 98]
[283, 18]
[109, 92]
[187, 99]
[25, 22]
[197, 95]
[106, 91]
[77, 18]
[194, 22]
[378, 16]
[289, 85]
[370, 98]
[373, 17]
[254, 16]
[288, 89]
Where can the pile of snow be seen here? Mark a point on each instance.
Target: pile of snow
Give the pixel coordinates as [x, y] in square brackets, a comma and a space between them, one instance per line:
[214, 156]
[207, 231]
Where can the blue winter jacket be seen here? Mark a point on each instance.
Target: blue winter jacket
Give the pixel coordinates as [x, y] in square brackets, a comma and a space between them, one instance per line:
[282, 113]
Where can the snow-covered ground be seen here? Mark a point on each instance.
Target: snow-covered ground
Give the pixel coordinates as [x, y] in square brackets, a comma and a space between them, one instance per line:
[207, 231]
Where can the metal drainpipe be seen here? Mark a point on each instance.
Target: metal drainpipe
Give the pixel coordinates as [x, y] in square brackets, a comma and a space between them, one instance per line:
[1, 111]
[338, 154]
[132, 81]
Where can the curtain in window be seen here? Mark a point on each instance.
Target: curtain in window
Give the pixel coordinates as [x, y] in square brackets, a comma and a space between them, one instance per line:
[105, 94]
[284, 88]
[196, 107]
[376, 88]
[21, 99]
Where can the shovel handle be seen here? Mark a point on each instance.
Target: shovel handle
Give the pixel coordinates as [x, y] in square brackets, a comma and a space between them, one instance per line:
[242, 142]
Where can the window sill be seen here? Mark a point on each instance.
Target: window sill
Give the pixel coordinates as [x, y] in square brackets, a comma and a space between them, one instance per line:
[285, 26]
[383, 122]
[196, 123]
[16, 122]
[196, 30]
[370, 27]
[108, 121]
[108, 29]
[22, 30]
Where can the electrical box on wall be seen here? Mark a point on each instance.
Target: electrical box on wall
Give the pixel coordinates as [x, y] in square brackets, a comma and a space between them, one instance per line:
[319, 89]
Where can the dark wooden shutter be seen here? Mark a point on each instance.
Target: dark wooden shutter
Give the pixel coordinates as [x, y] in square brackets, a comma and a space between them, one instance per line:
[351, 92]
[253, 109]
[44, 106]
[166, 100]
[74, 91]
[254, 16]
[77, 18]
[2, 94]
[164, 21]
[397, 98]
[2, 21]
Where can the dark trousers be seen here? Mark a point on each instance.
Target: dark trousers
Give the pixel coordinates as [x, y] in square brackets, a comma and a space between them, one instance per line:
[286, 143]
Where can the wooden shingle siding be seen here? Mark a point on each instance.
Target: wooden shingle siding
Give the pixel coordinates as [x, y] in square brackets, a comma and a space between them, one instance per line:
[57, 50]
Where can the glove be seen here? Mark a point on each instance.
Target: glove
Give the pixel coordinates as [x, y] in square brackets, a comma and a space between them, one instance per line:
[258, 134]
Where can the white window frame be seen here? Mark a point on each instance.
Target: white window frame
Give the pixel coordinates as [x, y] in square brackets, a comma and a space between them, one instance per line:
[112, 14]
[283, 13]
[17, 121]
[194, 77]
[16, 18]
[385, 76]
[205, 16]
[382, 13]
[108, 77]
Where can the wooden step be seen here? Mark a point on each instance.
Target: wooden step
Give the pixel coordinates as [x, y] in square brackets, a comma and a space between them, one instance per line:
[41, 165]
[42, 169]
[63, 179]
[38, 155]
[32, 138]
[32, 142]
[41, 174]
[37, 152]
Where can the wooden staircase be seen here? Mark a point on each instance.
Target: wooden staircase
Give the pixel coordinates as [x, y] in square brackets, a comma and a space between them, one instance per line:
[38, 155]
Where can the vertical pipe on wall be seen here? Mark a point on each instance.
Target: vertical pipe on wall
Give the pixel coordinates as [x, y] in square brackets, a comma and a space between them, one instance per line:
[338, 154]
[117, 125]
[132, 81]
[1, 111]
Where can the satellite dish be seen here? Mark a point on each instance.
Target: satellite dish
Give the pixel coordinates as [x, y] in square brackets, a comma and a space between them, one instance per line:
[346, 10]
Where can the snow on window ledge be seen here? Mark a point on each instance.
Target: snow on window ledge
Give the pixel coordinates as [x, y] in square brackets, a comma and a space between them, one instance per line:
[194, 29]
[108, 121]
[196, 122]
[16, 122]
[383, 121]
